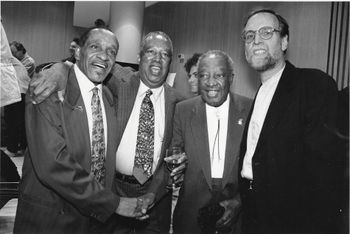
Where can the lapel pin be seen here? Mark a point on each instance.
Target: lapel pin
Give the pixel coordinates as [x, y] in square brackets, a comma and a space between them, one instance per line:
[240, 121]
[80, 108]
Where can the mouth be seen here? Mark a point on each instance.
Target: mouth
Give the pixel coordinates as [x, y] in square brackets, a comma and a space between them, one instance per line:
[259, 51]
[100, 65]
[155, 69]
[212, 93]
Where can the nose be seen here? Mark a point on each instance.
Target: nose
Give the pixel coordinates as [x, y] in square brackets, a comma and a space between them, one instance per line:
[157, 56]
[211, 81]
[257, 38]
[103, 55]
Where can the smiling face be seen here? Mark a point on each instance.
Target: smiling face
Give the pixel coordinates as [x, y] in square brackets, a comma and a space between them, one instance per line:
[215, 78]
[263, 55]
[97, 56]
[155, 58]
[193, 80]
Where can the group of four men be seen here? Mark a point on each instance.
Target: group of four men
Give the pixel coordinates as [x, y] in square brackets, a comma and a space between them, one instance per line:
[95, 162]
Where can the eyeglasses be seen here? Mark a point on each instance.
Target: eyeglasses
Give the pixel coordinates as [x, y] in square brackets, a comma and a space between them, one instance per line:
[265, 33]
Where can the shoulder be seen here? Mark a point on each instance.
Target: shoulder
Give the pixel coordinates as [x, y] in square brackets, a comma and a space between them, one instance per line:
[189, 103]
[174, 93]
[313, 77]
[241, 101]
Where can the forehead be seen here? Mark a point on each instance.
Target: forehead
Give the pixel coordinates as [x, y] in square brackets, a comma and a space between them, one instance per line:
[157, 41]
[213, 61]
[100, 35]
[260, 20]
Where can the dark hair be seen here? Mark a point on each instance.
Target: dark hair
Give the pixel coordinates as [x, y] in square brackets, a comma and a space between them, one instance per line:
[18, 46]
[99, 23]
[283, 24]
[76, 40]
[191, 62]
[86, 35]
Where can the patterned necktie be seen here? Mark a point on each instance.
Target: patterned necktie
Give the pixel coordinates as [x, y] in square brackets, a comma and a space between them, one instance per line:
[98, 144]
[145, 141]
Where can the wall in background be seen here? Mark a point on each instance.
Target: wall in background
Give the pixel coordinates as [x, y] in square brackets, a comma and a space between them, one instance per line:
[45, 28]
[199, 26]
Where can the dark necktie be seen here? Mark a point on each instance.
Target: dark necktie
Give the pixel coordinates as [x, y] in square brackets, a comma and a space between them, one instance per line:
[145, 141]
[98, 143]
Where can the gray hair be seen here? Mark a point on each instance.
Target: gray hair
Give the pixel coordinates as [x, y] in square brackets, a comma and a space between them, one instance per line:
[222, 54]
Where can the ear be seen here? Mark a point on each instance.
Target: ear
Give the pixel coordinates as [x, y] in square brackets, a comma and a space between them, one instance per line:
[231, 78]
[138, 58]
[285, 40]
[77, 53]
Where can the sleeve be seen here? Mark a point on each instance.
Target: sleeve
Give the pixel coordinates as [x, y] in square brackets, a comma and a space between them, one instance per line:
[320, 146]
[56, 167]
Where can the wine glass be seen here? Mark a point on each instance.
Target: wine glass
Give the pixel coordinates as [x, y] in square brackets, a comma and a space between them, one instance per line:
[172, 164]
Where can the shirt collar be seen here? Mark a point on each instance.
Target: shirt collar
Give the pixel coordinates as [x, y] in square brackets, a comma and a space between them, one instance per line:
[156, 92]
[85, 84]
[220, 109]
[275, 78]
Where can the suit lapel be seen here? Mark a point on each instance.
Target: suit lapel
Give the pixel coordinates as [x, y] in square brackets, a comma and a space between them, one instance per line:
[127, 92]
[234, 131]
[170, 101]
[111, 136]
[279, 103]
[75, 114]
[200, 134]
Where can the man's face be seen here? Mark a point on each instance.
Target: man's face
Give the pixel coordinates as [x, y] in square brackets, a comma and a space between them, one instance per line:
[193, 80]
[263, 54]
[155, 59]
[16, 53]
[97, 56]
[73, 46]
[215, 79]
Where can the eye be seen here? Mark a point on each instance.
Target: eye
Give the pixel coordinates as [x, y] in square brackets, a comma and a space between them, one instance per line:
[203, 76]
[112, 52]
[150, 52]
[220, 76]
[93, 46]
[249, 35]
[165, 54]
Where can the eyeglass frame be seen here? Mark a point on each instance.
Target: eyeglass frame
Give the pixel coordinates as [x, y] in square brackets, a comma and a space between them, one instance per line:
[270, 32]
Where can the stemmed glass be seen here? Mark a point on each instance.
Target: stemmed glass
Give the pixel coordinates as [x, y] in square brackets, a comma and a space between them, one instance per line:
[172, 164]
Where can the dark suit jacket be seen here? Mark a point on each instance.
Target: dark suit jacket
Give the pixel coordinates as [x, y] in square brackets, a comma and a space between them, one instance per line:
[57, 193]
[126, 88]
[293, 162]
[190, 132]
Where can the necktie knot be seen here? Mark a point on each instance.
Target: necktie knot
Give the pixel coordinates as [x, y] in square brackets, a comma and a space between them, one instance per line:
[95, 91]
[149, 93]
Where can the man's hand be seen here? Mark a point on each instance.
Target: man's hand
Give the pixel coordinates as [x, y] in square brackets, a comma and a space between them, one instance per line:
[43, 84]
[177, 174]
[232, 210]
[146, 202]
[129, 207]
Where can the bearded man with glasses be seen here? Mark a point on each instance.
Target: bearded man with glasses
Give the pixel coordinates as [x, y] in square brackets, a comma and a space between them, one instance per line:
[288, 151]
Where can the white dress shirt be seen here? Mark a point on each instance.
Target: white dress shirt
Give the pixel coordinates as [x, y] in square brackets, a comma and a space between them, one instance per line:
[86, 87]
[217, 139]
[262, 103]
[127, 147]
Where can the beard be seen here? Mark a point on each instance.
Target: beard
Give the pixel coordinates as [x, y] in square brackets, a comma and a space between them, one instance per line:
[263, 64]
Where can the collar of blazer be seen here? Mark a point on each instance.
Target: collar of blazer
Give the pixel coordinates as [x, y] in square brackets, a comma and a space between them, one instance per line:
[72, 91]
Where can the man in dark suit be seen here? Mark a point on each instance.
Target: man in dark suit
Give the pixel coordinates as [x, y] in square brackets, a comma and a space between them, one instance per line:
[209, 127]
[288, 150]
[69, 168]
[130, 89]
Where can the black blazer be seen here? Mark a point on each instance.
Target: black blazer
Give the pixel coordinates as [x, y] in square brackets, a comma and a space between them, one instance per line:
[293, 162]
